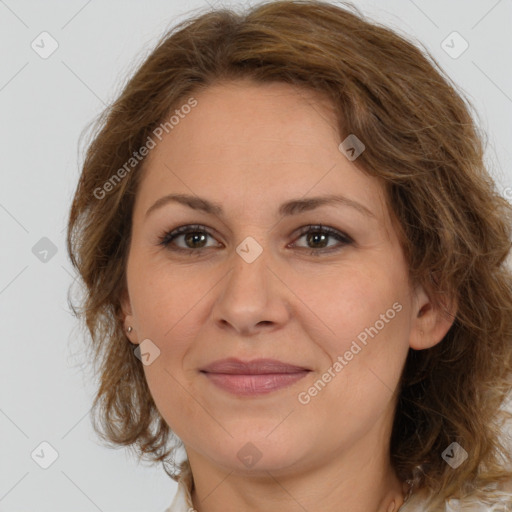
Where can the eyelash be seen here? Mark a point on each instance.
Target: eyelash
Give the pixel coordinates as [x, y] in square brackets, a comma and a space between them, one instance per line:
[168, 237]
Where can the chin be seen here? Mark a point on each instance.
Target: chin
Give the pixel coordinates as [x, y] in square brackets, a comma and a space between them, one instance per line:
[258, 455]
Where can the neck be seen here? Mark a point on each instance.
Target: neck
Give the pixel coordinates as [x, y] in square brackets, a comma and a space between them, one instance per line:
[361, 480]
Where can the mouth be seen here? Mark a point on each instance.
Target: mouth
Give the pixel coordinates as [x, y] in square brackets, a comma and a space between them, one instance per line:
[256, 377]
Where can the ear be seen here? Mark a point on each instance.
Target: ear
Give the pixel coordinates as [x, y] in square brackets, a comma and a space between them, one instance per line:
[430, 323]
[128, 318]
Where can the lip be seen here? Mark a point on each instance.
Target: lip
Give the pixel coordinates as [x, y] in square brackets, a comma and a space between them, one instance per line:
[235, 366]
[256, 377]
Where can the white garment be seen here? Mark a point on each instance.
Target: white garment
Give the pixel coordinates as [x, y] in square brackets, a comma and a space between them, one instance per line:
[183, 502]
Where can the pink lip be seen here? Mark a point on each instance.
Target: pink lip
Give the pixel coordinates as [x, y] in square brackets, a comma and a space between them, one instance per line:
[235, 366]
[255, 377]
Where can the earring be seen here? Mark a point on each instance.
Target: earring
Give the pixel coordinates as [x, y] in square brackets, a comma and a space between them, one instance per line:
[130, 328]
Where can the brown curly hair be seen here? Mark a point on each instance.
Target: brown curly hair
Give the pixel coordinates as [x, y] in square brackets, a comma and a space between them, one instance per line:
[421, 142]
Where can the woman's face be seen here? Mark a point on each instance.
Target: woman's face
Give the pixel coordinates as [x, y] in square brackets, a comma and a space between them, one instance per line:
[251, 283]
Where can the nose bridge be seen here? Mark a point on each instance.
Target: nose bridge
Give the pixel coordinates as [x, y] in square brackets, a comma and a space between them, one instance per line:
[250, 296]
[249, 269]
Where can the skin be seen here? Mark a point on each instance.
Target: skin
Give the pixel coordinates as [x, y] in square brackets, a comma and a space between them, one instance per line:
[251, 147]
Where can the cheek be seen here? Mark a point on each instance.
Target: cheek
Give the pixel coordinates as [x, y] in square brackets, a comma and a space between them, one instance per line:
[165, 305]
[161, 296]
[348, 303]
[362, 315]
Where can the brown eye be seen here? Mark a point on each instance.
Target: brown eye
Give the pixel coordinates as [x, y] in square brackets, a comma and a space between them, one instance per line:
[194, 238]
[317, 238]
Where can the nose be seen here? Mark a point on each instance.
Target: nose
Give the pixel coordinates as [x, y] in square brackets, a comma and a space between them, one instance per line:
[252, 298]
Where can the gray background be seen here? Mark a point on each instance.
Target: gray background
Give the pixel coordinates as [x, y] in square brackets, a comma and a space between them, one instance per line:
[45, 104]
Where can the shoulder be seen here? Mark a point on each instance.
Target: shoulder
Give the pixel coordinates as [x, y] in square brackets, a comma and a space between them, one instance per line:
[496, 501]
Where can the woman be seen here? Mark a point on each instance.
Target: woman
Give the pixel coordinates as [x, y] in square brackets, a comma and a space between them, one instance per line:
[294, 262]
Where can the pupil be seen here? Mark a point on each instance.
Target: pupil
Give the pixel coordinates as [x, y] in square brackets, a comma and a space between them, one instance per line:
[317, 235]
[193, 236]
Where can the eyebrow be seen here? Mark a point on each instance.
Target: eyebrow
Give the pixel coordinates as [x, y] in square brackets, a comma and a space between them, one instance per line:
[292, 207]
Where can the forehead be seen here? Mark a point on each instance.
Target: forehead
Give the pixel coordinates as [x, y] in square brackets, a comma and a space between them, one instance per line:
[274, 114]
[266, 142]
